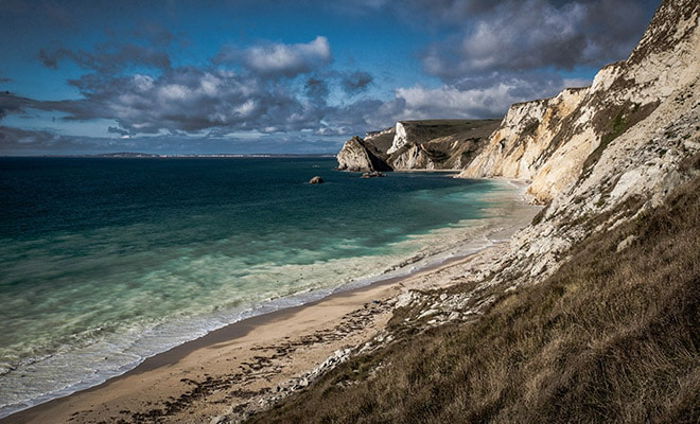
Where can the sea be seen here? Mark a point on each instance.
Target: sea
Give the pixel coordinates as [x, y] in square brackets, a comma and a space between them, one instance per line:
[107, 261]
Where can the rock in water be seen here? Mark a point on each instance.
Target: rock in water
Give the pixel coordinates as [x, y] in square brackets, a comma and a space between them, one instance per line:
[316, 180]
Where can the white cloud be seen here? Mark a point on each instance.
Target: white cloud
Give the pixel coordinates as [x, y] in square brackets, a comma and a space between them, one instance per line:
[276, 59]
[449, 101]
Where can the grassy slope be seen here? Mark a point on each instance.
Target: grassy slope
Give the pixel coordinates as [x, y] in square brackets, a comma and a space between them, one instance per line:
[611, 337]
[423, 131]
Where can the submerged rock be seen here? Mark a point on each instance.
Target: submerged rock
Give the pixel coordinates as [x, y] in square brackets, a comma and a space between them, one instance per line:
[372, 174]
[316, 180]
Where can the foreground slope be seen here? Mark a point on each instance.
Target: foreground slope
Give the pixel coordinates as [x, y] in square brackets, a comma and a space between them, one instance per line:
[610, 337]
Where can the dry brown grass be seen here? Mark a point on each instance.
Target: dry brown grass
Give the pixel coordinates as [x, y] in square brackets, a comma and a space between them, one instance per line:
[610, 337]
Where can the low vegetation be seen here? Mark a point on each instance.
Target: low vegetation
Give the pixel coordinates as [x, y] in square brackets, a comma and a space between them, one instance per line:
[612, 336]
[613, 124]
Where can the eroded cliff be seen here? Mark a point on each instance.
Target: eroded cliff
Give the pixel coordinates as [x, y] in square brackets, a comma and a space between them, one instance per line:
[553, 141]
[411, 145]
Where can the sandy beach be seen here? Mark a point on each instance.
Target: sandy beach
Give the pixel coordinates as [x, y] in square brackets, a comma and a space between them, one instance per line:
[233, 369]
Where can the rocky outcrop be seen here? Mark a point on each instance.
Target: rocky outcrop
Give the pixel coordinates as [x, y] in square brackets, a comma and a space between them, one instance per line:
[358, 155]
[554, 141]
[411, 145]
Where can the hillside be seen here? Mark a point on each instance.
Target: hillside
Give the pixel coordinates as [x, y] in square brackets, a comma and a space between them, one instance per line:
[592, 314]
[610, 337]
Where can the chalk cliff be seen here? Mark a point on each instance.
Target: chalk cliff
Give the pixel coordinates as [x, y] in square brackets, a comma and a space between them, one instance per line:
[411, 145]
[360, 155]
[554, 141]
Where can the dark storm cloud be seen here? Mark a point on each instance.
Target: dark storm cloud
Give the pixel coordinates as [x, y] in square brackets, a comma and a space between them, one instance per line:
[11, 104]
[215, 100]
[531, 34]
[491, 53]
[185, 99]
[147, 47]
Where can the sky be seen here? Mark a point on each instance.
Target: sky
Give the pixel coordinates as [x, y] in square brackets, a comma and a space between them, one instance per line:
[265, 76]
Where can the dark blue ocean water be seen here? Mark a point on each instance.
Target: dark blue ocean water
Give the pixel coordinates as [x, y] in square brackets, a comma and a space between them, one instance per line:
[106, 261]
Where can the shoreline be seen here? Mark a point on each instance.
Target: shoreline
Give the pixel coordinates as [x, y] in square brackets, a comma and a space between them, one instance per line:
[175, 365]
[228, 333]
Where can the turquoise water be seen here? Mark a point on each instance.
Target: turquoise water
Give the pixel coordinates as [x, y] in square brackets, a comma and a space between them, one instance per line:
[104, 262]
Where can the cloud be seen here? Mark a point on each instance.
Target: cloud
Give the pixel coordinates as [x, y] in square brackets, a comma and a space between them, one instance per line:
[107, 58]
[18, 142]
[317, 91]
[483, 97]
[276, 59]
[530, 34]
[185, 100]
[356, 82]
[155, 33]
[488, 55]
[11, 104]
[197, 102]
[117, 130]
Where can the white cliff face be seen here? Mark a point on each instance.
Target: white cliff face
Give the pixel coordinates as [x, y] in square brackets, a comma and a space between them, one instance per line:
[550, 141]
[354, 156]
[374, 134]
[596, 182]
[400, 138]
[423, 145]
[638, 169]
[517, 148]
